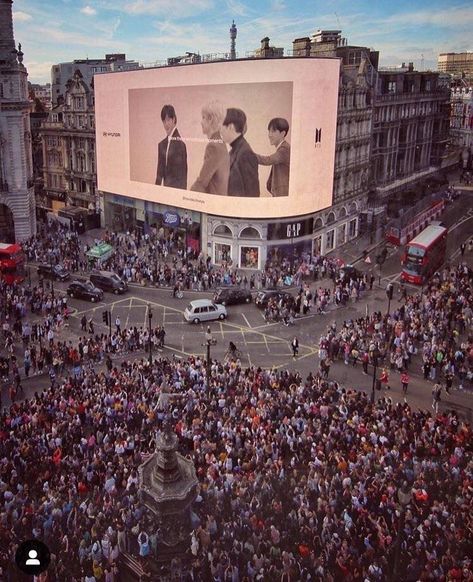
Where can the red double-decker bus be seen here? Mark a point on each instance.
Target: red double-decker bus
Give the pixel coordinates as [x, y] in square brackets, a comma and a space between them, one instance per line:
[424, 254]
[12, 263]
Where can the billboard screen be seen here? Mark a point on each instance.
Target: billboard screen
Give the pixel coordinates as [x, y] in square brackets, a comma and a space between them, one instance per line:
[248, 139]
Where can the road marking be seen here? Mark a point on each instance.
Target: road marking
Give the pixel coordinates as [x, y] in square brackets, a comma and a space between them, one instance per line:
[245, 318]
[128, 316]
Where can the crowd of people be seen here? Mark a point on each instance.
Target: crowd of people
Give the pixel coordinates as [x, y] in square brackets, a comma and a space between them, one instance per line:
[429, 326]
[157, 258]
[298, 479]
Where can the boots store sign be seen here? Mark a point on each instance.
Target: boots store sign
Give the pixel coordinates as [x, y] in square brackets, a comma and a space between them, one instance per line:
[171, 219]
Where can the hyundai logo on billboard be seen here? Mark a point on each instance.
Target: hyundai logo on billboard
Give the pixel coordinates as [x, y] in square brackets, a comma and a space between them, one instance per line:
[171, 218]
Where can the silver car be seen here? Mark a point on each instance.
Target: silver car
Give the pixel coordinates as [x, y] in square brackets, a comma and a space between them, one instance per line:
[204, 310]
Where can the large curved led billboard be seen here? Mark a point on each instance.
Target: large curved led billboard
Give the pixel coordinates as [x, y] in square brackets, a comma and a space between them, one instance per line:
[249, 139]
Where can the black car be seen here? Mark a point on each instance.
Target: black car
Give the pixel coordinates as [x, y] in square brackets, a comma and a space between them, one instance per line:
[348, 272]
[263, 297]
[56, 272]
[232, 296]
[108, 281]
[84, 290]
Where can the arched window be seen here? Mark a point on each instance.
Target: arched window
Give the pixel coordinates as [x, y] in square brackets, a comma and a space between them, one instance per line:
[352, 208]
[331, 218]
[223, 230]
[342, 213]
[318, 224]
[249, 232]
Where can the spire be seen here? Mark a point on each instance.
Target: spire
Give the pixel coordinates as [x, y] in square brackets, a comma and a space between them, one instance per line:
[7, 41]
[233, 35]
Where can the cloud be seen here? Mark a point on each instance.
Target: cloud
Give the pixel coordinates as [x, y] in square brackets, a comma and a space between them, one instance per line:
[237, 8]
[21, 16]
[278, 5]
[89, 11]
[163, 7]
[39, 72]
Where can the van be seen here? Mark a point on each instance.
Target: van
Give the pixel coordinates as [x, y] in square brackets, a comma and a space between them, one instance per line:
[108, 281]
[204, 310]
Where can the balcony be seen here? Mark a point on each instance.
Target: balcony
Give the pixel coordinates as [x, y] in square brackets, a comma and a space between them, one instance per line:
[437, 94]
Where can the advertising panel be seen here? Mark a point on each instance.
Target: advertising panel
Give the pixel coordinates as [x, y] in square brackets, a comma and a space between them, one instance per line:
[208, 137]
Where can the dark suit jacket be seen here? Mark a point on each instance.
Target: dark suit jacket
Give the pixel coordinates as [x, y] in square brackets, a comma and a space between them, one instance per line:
[278, 181]
[213, 177]
[243, 179]
[174, 173]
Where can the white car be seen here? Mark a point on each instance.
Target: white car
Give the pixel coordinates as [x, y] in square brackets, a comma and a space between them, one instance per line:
[204, 310]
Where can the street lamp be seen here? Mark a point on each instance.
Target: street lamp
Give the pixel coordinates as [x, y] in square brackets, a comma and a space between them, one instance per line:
[52, 276]
[150, 317]
[209, 341]
[404, 496]
[374, 353]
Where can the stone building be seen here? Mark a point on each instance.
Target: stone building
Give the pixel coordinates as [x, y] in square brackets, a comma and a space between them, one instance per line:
[461, 117]
[341, 222]
[458, 64]
[68, 137]
[410, 129]
[266, 51]
[17, 210]
[62, 72]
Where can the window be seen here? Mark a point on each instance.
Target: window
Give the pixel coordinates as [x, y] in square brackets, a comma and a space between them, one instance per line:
[212, 308]
[352, 228]
[223, 230]
[392, 87]
[330, 238]
[249, 232]
[204, 309]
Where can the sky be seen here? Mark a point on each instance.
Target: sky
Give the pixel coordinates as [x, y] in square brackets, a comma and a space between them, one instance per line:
[150, 31]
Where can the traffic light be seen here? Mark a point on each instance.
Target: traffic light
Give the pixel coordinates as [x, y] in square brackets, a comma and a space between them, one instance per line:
[390, 291]
[105, 317]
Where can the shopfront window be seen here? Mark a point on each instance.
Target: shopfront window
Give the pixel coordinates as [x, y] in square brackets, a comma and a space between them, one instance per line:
[352, 228]
[330, 238]
[222, 253]
[249, 257]
[342, 233]
[317, 245]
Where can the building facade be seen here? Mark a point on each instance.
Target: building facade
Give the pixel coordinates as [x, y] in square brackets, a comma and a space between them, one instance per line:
[62, 72]
[250, 243]
[17, 208]
[458, 64]
[461, 118]
[42, 93]
[68, 139]
[410, 129]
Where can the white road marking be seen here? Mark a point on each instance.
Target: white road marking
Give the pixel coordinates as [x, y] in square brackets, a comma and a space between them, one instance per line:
[128, 315]
[245, 318]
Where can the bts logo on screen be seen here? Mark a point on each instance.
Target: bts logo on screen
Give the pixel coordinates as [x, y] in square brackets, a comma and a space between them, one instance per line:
[318, 137]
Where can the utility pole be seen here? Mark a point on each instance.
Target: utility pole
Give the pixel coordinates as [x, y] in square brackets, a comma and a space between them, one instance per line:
[374, 356]
[150, 317]
[209, 341]
[389, 294]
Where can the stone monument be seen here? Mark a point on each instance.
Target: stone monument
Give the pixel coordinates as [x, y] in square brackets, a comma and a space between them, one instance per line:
[168, 487]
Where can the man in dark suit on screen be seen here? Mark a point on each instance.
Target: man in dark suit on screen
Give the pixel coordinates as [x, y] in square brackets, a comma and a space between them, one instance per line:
[243, 179]
[278, 181]
[172, 153]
